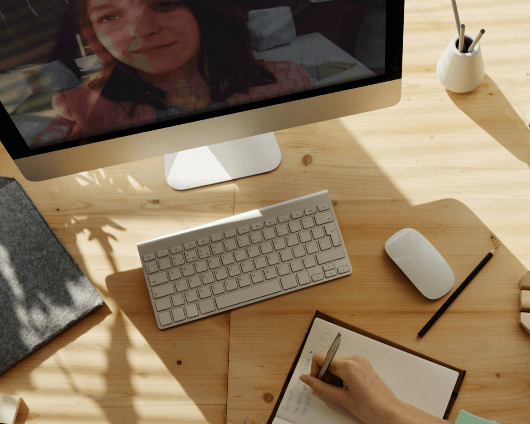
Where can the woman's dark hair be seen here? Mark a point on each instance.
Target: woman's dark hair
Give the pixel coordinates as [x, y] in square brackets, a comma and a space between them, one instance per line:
[225, 61]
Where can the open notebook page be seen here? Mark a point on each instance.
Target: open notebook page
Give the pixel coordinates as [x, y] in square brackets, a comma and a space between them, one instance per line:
[413, 380]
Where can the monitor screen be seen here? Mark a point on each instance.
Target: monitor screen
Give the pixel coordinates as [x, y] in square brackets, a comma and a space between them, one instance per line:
[76, 72]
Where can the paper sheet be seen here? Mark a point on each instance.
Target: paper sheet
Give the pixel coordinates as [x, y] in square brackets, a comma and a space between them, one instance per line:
[413, 380]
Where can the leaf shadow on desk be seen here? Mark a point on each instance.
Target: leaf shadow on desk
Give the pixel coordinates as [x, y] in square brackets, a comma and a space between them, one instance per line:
[501, 121]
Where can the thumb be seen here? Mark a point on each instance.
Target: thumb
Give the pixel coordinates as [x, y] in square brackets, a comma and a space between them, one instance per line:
[324, 389]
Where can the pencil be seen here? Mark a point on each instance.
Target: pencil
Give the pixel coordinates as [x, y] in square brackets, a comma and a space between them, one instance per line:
[455, 10]
[477, 39]
[461, 40]
[459, 290]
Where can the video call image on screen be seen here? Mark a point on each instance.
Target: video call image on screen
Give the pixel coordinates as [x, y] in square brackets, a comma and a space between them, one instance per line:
[71, 69]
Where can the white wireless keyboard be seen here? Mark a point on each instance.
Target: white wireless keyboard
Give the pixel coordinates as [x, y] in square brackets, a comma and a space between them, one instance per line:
[243, 259]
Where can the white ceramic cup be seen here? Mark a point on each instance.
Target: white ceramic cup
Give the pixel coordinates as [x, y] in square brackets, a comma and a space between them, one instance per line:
[461, 72]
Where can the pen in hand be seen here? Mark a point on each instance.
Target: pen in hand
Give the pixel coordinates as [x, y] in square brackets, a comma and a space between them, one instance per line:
[331, 354]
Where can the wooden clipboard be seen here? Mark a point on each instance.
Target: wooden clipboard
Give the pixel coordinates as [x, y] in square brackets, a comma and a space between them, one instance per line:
[330, 319]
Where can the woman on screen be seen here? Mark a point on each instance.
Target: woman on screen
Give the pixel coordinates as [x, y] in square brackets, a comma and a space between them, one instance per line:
[163, 59]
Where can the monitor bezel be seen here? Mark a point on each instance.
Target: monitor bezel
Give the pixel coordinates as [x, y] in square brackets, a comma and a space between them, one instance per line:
[18, 149]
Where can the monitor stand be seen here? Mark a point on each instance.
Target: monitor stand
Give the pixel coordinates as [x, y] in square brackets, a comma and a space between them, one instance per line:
[221, 162]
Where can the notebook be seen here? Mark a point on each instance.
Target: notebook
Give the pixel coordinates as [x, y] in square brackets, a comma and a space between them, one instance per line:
[42, 290]
[414, 378]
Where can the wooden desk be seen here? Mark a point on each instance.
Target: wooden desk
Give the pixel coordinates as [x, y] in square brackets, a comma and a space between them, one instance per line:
[455, 167]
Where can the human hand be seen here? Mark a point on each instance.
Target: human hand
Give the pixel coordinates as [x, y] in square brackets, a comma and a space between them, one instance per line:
[248, 420]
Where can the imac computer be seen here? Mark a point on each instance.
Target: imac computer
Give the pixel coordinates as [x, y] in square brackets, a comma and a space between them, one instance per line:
[86, 84]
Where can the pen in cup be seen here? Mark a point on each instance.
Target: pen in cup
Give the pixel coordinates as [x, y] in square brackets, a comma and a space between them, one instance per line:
[329, 357]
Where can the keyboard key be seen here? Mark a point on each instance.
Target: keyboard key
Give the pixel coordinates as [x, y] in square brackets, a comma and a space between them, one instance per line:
[214, 263]
[330, 228]
[205, 292]
[325, 243]
[206, 306]
[230, 245]
[190, 245]
[283, 218]
[191, 296]
[178, 259]
[273, 259]
[270, 222]
[317, 277]
[243, 241]
[311, 248]
[194, 282]
[330, 255]
[284, 269]
[218, 288]
[305, 236]
[256, 237]
[191, 256]
[244, 229]
[343, 269]
[257, 226]
[176, 249]
[296, 265]
[297, 214]
[156, 279]
[240, 255]
[317, 232]
[244, 281]
[257, 277]
[288, 282]
[162, 253]
[177, 300]
[221, 274]
[192, 311]
[178, 314]
[247, 266]
[268, 233]
[303, 278]
[204, 252]
[309, 261]
[227, 259]
[266, 248]
[230, 233]
[162, 291]
[253, 251]
[330, 273]
[250, 293]
[308, 222]
[201, 266]
[182, 285]
[216, 237]
[203, 241]
[207, 278]
[311, 211]
[295, 226]
[260, 263]
[279, 244]
[217, 248]
[163, 304]
[270, 273]
[148, 257]
[335, 238]
[328, 267]
[286, 255]
[231, 285]
[188, 270]
[164, 318]
[291, 240]
[323, 207]
[282, 230]
[234, 270]
[174, 274]
[299, 251]
[323, 218]
[151, 267]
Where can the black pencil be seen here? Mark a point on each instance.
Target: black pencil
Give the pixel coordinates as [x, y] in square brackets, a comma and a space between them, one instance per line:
[456, 293]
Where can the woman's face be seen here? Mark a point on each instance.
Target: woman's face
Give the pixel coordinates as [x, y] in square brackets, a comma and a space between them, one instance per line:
[154, 36]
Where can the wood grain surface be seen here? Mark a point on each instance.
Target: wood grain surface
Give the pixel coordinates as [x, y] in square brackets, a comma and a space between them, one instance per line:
[453, 166]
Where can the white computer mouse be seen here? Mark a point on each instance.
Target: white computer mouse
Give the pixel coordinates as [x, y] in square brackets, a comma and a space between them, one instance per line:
[421, 262]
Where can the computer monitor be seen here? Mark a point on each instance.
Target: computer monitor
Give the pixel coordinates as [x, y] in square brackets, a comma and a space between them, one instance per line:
[86, 84]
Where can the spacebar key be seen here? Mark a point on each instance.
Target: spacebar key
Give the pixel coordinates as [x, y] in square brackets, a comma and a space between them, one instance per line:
[245, 295]
[330, 255]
